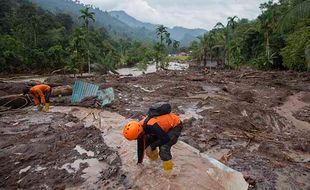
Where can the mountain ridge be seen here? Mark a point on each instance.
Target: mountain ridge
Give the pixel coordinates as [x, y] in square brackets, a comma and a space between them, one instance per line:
[103, 19]
[182, 34]
[118, 23]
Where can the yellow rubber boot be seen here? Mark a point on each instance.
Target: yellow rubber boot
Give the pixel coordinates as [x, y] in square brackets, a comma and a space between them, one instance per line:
[168, 165]
[47, 106]
[153, 155]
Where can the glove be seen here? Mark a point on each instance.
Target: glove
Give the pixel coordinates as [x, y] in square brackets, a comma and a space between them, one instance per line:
[47, 106]
[39, 107]
[168, 165]
[153, 154]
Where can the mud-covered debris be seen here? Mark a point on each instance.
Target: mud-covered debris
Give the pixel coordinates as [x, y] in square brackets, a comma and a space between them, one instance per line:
[59, 80]
[303, 114]
[250, 180]
[48, 154]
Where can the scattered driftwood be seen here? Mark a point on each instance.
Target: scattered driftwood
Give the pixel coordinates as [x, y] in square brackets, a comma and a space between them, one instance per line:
[248, 75]
[58, 71]
[225, 158]
[145, 90]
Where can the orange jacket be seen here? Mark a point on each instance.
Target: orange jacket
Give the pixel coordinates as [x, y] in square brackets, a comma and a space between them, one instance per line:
[39, 91]
[166, 122]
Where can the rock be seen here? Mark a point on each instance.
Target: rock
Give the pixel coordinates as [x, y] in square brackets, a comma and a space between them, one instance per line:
[112, 159]
[250, 180]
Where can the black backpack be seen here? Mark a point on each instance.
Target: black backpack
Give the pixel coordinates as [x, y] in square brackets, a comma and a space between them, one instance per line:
[157, 109]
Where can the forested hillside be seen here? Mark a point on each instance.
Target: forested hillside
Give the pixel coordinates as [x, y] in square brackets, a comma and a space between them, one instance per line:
[35, 40]
[184, 35]
[278, 39]
[115, 27]
[32, 39]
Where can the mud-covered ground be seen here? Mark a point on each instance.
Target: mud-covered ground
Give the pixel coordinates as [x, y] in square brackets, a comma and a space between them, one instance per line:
[242, 118]
[255, 122]
[54, 151]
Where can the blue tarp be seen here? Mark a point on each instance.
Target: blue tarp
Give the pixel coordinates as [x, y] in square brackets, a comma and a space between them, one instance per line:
[82, 90]
[105, 96]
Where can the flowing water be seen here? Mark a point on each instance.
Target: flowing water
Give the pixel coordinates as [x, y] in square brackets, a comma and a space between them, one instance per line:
[134, 71]
[191, 169]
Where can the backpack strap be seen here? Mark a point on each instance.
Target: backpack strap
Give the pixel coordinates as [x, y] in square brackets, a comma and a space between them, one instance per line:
[147, 119]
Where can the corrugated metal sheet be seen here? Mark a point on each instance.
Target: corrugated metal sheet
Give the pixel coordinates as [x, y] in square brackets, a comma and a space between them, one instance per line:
[105, 96]
[82, 90]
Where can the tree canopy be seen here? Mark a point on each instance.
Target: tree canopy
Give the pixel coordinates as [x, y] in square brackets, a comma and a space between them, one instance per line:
[277, 39]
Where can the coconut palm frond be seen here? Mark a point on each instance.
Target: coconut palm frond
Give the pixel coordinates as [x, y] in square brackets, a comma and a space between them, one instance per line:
[300, 11]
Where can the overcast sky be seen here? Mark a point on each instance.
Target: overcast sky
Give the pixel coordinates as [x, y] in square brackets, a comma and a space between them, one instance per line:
[186, 13]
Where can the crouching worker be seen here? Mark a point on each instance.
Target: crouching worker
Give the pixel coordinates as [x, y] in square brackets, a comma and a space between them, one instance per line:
[40, 94]
[159, 130]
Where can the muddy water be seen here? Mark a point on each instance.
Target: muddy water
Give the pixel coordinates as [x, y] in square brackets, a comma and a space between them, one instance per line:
[151, 69]
[191, 170]
[123, 71]
[292, 105]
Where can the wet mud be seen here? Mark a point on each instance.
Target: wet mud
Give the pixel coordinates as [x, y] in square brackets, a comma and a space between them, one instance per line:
[254, 122]
[55, 151]
[191, 169]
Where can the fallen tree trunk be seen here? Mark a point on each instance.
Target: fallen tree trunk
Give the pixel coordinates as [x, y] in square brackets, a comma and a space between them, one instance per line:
[61, 91]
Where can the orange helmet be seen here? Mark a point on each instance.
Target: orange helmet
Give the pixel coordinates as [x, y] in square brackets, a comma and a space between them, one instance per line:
[132, 130]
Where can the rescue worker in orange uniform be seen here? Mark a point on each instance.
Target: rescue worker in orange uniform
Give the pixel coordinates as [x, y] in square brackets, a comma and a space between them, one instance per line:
[160, 132]
[40, 94]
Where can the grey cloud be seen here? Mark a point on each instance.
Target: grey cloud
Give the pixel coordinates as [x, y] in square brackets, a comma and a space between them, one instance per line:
[187, 13]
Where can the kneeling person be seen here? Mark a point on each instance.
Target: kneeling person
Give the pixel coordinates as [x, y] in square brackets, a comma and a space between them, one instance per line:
[156, 132]
[40, 94]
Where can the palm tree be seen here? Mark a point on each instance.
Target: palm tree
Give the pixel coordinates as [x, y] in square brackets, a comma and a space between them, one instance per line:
[231, 22]
[219, 25]
[161, 32]
[168, 39]
[206, 45]
[77, 47]
[228, 33]
[222, 35]
[298, 11]
[266, 24]
[176, 45]
[86, 15]
[164, 36]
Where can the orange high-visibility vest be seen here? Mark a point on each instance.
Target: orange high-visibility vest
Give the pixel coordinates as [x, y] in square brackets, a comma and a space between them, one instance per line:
[166, 122]
[39, 91]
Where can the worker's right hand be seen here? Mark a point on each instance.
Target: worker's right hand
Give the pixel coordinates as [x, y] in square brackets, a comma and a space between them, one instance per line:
[148, 150]
[39, 107]
[140, 165]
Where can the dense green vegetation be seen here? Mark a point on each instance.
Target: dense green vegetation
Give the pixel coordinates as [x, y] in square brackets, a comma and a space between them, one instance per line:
[278, 39]
[34, 40]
